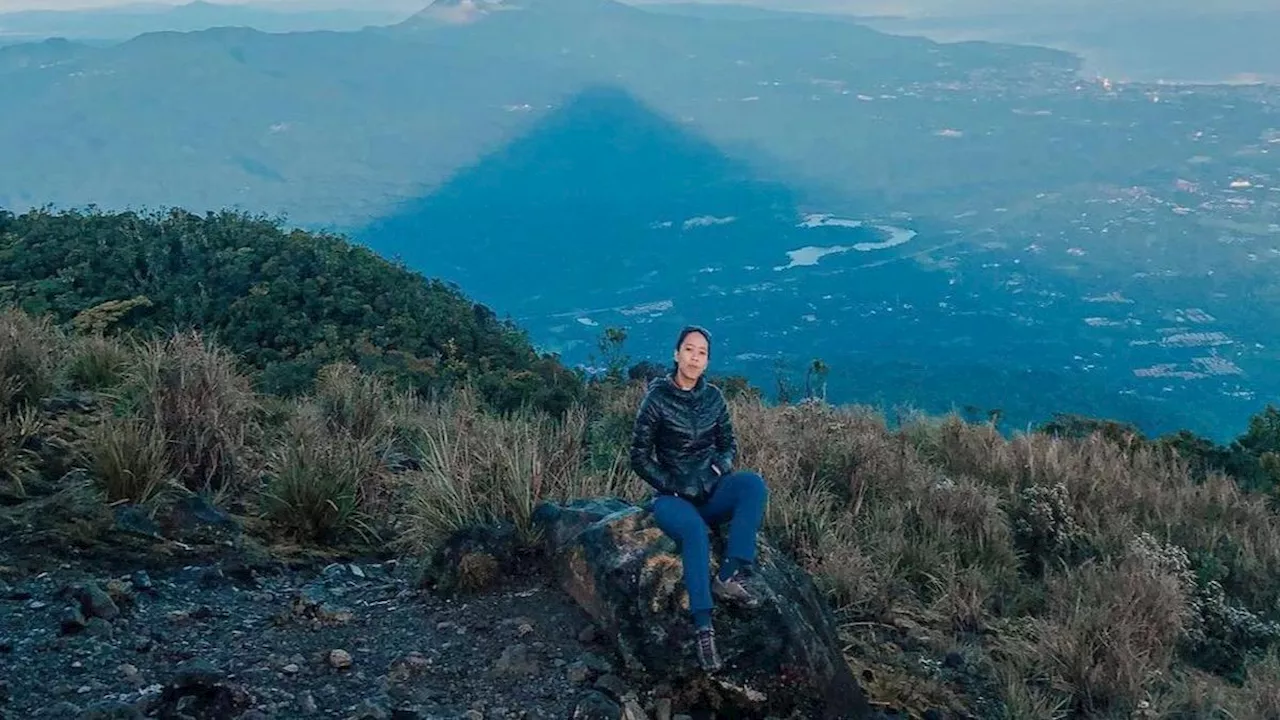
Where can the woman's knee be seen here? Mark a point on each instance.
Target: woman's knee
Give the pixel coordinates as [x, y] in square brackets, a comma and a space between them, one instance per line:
[677, 518]
[752, 484]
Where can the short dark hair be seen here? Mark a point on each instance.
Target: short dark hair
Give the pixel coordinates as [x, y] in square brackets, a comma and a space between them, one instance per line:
[684, 333]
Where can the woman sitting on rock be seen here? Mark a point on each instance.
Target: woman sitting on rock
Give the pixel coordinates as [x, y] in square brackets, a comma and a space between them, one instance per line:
[684, 446]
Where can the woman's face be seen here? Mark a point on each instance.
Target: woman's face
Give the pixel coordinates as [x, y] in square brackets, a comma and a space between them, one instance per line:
[691, 356]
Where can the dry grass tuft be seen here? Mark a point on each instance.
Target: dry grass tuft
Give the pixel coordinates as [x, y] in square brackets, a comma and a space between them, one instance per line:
[129, 460]
[1111, 631]
[97, 363]
[28, 348]
[356, 403]
[18, 462]
[478, 468]
[323, 482]
[27, 351]
[192, 392]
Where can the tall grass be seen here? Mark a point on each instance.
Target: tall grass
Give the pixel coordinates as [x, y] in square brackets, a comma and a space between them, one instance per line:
[97, 363]
[323, 482]
[28, 347]
[129, 460]
[18, 462]
[478, 468]
[192, 391]
[330, 471]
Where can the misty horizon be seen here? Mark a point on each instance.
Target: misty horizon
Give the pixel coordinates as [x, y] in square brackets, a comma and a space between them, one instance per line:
[1181, 42]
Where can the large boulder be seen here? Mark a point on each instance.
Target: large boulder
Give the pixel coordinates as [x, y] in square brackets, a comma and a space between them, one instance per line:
[782, 658]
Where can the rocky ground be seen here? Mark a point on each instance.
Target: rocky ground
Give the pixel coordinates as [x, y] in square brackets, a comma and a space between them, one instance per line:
[225, 635]
[106, 614]
[352, 640]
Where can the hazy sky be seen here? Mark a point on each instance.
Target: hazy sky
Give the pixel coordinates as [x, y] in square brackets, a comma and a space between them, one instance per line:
[10, 5]
[862, 7]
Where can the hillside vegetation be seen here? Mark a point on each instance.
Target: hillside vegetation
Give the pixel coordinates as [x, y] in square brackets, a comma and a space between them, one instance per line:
[1089, 575]
[1079, 570]
[286, 302]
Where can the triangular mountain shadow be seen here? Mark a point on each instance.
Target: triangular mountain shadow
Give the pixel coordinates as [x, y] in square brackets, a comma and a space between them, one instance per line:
[606, 212]
[593, 199]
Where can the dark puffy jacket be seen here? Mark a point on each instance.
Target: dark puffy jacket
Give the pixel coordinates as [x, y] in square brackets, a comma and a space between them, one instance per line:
[683, 440]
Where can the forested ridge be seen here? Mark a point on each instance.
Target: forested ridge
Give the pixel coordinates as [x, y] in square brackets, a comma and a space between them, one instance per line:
[286, 301]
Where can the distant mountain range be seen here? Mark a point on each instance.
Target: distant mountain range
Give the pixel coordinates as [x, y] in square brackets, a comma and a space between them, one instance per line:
[126, 21]
[335, 128]
[1151, 43]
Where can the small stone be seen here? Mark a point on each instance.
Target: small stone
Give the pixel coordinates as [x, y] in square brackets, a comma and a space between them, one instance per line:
[131, 675]
[516, 660]
[597, 664]
[334, 614]
[588, 634]
[340, 659]
[98, 627]
[307, 702]
[613, 685]
[473, 715]
[631, 710]
[72, 621]
[596, 706]
[120, 591]
[196, 673]
[662, 709]
[578, 673]
[291, 669]
[95, 601]
[142, 581]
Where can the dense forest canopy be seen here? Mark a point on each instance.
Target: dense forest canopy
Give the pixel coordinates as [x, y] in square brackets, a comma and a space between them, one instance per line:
[287, 301]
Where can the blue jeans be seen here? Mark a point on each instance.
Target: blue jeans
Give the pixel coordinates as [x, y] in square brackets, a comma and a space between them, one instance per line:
[739, 497]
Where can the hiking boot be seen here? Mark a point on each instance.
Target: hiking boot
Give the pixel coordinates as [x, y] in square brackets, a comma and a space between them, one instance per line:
[734, 590]
[708, 657]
